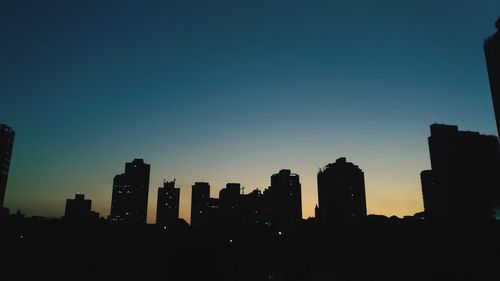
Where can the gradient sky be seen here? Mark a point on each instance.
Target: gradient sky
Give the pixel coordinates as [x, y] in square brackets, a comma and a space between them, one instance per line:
[234, 91]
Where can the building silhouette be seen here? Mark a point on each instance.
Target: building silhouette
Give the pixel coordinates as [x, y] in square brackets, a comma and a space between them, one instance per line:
[79, 210]
[464, 181]
[229, 198]
[236, 207]
[492, 53]
[200, 195]
[341, 193]
[213, 214]
[428, 193]
[252, 209]
[230, 209]
[285, 200]
[6, 145]
[129, 201]
[167, 207]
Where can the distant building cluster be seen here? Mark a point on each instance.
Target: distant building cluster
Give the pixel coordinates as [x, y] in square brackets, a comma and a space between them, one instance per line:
[278, 206]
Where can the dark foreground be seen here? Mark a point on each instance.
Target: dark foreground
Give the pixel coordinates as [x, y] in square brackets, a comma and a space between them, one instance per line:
[382, 250]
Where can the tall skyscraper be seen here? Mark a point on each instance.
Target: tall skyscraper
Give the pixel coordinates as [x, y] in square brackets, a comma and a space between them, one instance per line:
[79, 210]
[129, 201]
[167, 208]
[492, 53]
[285, 199]
[464, 183]
[341, 193]
[6, 145]
[200, 196]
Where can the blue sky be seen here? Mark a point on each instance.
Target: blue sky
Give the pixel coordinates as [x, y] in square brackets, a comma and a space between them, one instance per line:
[233, 91]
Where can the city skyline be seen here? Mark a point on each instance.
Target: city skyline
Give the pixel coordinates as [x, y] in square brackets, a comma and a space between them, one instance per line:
[192, 119]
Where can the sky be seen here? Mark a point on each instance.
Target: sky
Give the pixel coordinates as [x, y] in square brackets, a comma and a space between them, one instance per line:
[234, 91]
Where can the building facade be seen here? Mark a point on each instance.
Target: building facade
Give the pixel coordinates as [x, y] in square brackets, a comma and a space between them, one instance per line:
[79, 209]
[492, 54]
[428, 194]
[285, 200]
[167, 207]
[129, 203]
[464, 182]
[200, 196]
[229, 198]
[6, 146]
[341, 193]
[252, 209]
